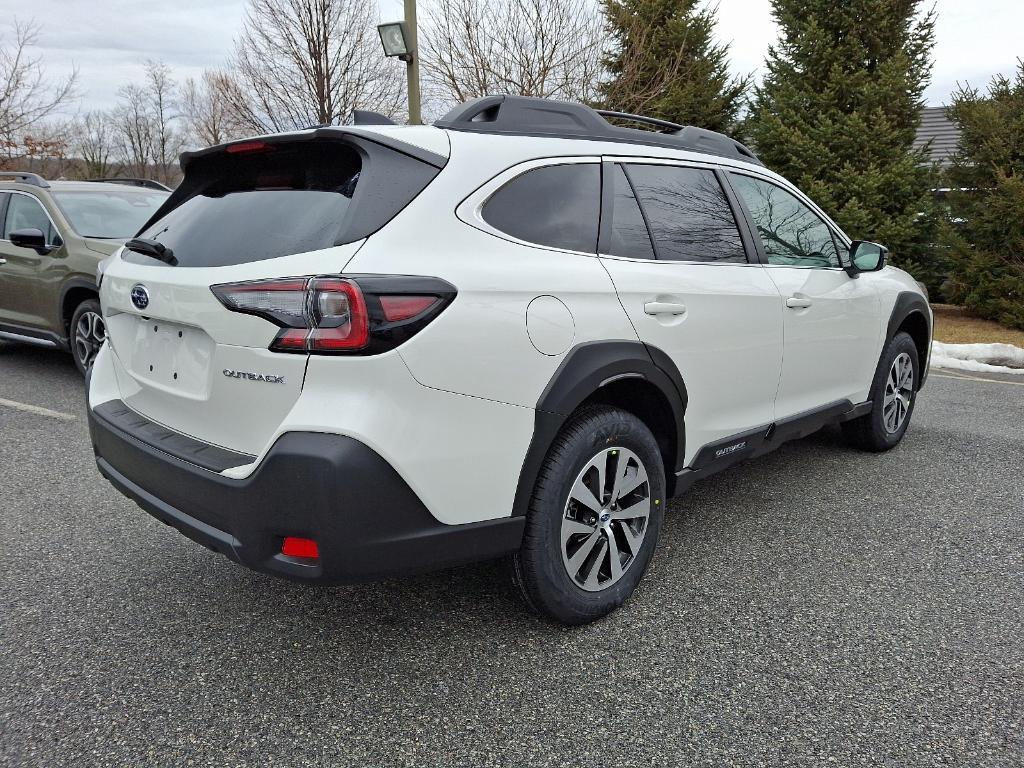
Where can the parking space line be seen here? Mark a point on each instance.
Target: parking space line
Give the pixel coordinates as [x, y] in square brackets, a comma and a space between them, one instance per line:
[976, 378]
[36, 409]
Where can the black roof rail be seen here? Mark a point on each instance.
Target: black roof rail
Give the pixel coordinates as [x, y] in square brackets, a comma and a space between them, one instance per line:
[134, 182]
[656, 122]
[27, 178]
[529, 116]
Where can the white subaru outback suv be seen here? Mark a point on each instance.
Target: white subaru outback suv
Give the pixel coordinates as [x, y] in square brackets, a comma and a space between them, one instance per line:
[346, 353]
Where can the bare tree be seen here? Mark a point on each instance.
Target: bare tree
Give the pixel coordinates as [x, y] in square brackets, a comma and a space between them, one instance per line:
[134, 141]
[93, 140]
[167, 141]
[207, 110]
[309, 62]
[27, 96]
[547, 48]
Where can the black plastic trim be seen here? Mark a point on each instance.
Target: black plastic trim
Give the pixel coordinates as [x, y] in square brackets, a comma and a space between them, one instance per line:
[907, 304]
[328, 132]
[721, 454]
[529, 116]
[35, 333]
[25, 177]
[584, 370]
[367, 521]
[211, 457]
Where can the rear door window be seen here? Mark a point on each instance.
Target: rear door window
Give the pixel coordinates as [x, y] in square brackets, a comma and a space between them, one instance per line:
[557, 206]
[688, 214]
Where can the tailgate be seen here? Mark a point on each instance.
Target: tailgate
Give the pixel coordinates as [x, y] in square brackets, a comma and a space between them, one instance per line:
[188, 363]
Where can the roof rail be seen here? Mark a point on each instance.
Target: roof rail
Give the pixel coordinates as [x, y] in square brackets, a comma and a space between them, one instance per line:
[134, 182]
[656, 122]
[27, 178]
[529, 116]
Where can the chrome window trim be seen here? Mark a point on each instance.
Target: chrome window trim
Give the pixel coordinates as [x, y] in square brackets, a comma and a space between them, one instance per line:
[3, 224]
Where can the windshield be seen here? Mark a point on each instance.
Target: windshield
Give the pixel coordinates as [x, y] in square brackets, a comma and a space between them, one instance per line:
[113, 214]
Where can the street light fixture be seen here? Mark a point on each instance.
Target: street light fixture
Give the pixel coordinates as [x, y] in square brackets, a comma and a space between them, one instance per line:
[399, 41]
[392, 37]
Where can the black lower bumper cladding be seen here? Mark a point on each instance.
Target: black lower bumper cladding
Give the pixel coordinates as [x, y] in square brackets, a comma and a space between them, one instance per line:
[367, 522]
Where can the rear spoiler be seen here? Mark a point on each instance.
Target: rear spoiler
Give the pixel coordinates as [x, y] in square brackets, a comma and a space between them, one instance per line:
[335, 132]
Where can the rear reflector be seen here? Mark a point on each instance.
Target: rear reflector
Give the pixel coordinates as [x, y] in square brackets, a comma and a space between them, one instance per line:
[295, 546]
[398, 308]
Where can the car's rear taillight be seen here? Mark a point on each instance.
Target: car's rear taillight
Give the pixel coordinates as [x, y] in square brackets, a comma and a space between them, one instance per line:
[336, 315]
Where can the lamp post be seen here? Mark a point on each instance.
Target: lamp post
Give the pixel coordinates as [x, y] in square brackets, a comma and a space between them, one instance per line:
[399, 41]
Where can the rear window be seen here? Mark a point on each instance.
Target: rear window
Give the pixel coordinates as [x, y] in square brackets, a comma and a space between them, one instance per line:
[557, 206]
[292, 197]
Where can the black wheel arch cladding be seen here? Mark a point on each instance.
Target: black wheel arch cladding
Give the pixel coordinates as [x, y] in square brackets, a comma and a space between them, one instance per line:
[910, 314]
[585, 370]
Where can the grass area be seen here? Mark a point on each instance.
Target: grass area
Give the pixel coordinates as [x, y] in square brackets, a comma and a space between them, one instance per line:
[954, 326]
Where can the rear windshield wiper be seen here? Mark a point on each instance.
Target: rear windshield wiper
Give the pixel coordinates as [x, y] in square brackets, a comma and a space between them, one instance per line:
[153, 249]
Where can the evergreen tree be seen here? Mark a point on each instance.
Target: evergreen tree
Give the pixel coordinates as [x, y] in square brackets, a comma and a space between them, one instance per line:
[664, 63]
[838, 110]
[987, 201]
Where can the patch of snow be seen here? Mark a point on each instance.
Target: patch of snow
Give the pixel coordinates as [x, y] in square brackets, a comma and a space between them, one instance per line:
[980, 358]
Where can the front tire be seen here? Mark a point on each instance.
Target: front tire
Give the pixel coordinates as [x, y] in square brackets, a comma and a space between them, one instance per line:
[893, 394]
[594, 518]
[86, 333]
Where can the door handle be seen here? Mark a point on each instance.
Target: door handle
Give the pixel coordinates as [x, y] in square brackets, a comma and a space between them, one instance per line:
[664, 308]
[794, 302]
[2, 262]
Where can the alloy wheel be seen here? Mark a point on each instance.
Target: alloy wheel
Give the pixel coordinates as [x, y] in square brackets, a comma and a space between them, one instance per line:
[899, 390]
[605, 519]
[90, 333]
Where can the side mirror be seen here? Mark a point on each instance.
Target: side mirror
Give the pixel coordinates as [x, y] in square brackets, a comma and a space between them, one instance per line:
[866, 257]
[29, 238]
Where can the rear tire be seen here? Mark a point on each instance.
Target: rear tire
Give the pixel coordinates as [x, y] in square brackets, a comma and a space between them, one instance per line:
[86, 333]
[893, 394]
[579, 561]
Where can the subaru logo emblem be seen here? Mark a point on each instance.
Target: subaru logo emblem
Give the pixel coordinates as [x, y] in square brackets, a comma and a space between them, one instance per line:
[140, 296]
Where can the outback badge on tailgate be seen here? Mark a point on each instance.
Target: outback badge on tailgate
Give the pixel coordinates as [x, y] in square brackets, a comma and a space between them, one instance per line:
[267, 377]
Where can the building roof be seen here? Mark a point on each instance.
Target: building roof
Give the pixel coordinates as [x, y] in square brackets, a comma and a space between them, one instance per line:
[942, 132]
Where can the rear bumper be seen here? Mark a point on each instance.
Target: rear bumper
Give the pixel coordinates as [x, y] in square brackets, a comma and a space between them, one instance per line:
[367, 521]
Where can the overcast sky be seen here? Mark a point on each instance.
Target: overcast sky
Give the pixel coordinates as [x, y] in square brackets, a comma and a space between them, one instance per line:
[109, 40]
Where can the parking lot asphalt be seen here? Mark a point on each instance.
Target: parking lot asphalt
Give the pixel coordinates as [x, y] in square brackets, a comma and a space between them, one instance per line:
[815, 606]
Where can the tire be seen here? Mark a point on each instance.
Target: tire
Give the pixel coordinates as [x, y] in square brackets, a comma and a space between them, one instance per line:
[878, 430]
[541, 567]
[86, 333]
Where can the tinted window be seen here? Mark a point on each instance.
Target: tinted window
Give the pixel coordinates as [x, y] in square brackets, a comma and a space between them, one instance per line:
[109, 213]
[792, 234]
[24, 212]
[259, 206]
[557, 206]
[628, 235]
[688, 213]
